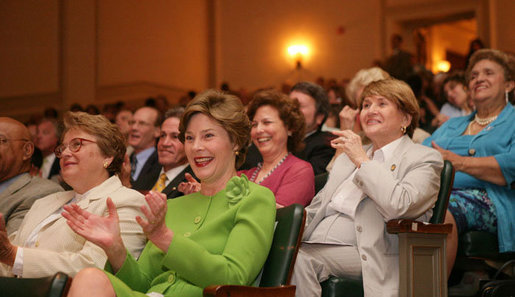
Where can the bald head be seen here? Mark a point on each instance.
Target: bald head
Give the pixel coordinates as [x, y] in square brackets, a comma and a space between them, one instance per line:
[16, 148]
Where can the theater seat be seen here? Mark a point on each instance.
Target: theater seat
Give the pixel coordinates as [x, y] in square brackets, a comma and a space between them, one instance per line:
[278, 268]
[410, 239]
[51, 286]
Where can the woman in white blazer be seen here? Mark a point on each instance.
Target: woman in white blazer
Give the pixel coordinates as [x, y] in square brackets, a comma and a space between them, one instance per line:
[392, 178]
[91, 154]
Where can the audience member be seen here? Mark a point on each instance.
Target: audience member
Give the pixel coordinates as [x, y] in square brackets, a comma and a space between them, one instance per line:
[122, 120]
[144, 130]
[428, 109]
[47, 140]
[474, 45]
[400, 63]
[392, 178]
[458, 104]
[92, 109]
[171, 156]
[18, 189]
[220, 235]
[91, 155]
[314, 104]
[277, 132]
[480, 146]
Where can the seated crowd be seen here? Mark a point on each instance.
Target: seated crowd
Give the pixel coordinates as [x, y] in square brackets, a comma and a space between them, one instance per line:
[125, 201]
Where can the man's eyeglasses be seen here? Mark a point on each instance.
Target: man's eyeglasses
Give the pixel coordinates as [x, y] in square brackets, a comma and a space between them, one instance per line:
[74, 145]
[6, 140]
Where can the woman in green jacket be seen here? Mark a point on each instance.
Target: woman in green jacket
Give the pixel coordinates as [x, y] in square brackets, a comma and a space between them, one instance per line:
[220, 235]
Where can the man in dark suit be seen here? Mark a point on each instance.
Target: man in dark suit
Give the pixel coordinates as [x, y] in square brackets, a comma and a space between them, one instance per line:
[18, 189]
[170, 151]
[46, 141]
[144, 130]
[314, 104]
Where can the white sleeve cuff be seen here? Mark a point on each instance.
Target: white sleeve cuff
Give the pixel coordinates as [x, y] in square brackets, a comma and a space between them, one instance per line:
[18, 263]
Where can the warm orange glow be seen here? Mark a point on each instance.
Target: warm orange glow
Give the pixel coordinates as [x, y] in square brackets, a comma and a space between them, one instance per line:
[298, 50]
[443, 66]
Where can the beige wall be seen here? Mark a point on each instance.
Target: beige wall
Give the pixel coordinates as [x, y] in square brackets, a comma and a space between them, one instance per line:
[56, 52]
[255, 36]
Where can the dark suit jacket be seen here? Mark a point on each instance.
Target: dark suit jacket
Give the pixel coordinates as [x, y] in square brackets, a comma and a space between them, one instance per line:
[148, 175]
[55, 169]
[171, 189]
[252, 158]
[16, 200]
[318, 150]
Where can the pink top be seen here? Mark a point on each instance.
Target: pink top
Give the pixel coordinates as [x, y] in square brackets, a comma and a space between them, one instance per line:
[291, 182]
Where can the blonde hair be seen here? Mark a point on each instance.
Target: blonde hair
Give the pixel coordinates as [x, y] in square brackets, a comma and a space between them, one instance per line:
[361, 79]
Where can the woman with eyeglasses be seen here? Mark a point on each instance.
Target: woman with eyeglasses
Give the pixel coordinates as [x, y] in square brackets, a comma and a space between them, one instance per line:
[91, 154]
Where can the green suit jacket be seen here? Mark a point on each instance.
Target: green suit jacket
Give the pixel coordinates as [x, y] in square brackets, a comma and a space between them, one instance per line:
[223, 239]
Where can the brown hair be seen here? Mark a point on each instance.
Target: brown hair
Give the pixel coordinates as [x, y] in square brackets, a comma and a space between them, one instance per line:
[399, 93]
[109, 138]
[289, 112]
[225, 109]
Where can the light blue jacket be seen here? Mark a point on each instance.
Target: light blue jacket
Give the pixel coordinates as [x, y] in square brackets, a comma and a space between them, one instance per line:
[498, 140]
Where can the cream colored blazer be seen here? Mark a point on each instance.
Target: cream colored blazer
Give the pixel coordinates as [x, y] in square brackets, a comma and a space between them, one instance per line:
[406, 186]
[58, 248]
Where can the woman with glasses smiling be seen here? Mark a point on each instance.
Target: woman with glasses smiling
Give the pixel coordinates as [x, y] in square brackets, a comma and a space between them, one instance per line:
[91, 154]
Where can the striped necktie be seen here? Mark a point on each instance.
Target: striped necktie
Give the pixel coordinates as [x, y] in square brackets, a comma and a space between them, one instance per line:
[160, 184]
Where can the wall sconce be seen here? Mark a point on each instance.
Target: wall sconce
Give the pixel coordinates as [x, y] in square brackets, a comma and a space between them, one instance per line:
[443, 66]
[298, 52]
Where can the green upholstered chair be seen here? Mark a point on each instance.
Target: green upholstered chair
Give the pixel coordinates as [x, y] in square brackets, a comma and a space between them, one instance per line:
[342, 287]
[278, 268]
[51, 286]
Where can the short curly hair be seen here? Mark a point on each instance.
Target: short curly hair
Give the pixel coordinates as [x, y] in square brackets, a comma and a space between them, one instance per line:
[225, 109]
[108, 136]
[289, 112]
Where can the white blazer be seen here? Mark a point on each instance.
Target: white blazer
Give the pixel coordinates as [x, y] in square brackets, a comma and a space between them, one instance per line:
[58, 248]
[406, 186]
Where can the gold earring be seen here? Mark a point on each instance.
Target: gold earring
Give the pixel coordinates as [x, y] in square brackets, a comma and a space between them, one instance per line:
[403, 129]
[106, 164]
[237, 153]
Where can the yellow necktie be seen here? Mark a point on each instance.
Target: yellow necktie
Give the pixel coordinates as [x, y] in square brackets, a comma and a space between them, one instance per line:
[160, 184]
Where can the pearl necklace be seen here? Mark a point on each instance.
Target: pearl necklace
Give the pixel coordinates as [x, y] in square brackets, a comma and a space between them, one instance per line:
[485, 121]
[260, 165]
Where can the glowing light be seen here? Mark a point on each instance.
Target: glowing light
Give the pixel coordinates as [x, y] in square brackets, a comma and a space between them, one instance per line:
[443, 66]
[298, 50]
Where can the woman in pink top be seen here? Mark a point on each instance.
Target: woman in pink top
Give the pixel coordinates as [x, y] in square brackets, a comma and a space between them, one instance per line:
[277, 131]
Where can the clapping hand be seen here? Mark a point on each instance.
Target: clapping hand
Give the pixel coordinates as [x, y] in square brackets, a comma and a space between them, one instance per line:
[7, 250]
[191, 186]
[154, 225]
[102, 231]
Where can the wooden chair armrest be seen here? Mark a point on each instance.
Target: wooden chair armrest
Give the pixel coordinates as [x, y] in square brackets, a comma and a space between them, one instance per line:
[247, 291]
[412, 226]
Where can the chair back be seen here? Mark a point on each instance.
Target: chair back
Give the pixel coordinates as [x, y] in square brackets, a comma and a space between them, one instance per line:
[320, 180]
[279, 264]
[446, 182]
[50, 286]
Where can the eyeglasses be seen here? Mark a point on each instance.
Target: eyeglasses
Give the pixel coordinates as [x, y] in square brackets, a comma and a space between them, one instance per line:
[74, 145]
[6, 140]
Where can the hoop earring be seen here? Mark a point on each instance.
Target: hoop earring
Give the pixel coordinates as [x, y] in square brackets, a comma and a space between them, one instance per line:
[507, 96]
[403, 129]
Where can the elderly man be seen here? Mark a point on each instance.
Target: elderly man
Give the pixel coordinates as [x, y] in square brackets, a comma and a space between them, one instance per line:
[18, 190]
[46, 141]
[314, 104]
[144, 130]
[170, 151]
